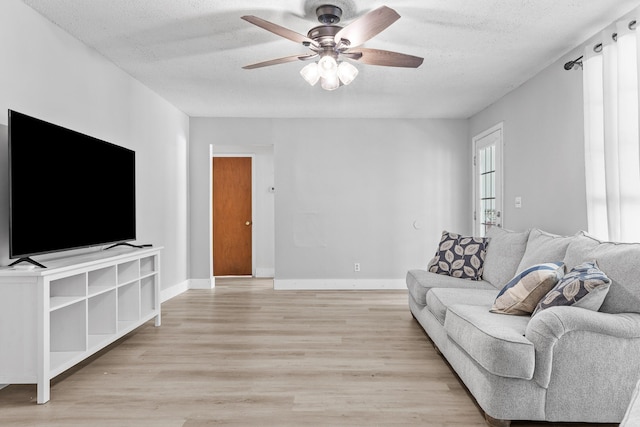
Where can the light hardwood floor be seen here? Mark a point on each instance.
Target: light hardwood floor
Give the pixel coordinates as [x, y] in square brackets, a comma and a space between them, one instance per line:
[243, 354]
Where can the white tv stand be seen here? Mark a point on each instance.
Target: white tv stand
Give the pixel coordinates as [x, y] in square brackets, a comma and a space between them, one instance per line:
[53, 318]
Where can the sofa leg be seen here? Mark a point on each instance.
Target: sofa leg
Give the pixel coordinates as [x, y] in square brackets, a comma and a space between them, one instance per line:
[493, 422]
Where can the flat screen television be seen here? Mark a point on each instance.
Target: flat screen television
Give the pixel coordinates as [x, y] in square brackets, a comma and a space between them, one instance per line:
[67, 190]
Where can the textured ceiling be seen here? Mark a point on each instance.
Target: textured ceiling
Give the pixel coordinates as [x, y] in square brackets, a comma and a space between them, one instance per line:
[191, 51]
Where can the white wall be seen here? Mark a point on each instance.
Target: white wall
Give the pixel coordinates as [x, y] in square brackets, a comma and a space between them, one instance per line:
[543, 151]
[346, 193]
[353, 193]
[48, 74]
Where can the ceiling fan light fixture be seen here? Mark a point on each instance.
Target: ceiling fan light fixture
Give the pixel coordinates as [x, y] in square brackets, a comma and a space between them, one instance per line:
[333, 43]
[330, 83]
[347, 72]
[310, 73]
[327, 67]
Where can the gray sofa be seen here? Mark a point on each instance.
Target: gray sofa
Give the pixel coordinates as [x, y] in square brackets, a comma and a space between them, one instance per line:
[564, 363]
[632, 417]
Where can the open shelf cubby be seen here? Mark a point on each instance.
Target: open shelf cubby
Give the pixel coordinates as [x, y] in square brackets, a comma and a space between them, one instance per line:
[101, 280]
[128, 271]
[129, 303]
[72, 309]
[148, 299]
[67, 290]
[148, 266]
[68, 328]
[102, 322]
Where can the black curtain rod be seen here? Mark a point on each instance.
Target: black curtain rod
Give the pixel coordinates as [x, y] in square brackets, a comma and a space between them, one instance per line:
[572, 64]
[577, 63]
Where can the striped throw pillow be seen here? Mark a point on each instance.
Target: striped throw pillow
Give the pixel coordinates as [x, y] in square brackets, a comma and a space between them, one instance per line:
[521, 295]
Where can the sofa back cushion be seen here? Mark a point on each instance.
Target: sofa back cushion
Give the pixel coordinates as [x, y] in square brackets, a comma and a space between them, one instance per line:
[621, 263]
[544, 247]
[579, 250]
[504, 252]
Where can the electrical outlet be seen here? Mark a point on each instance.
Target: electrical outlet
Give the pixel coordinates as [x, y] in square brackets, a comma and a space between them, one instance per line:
[356, 267]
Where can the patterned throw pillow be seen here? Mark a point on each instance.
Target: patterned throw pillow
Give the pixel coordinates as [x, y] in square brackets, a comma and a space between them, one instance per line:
[584, 286]
[441, 262]
[459, 256]
[522, 293]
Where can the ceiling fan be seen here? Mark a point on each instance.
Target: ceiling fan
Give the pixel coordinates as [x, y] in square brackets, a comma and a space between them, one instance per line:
[331, 43]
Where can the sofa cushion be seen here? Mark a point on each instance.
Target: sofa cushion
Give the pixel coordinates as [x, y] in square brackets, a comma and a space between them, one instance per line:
[521, 295]
[584, 286]
[579, 250]
[459, 256]
[504, 253]
[619, 261]
[496, 342]
[544, 247]
[439, 299]
[420, 281]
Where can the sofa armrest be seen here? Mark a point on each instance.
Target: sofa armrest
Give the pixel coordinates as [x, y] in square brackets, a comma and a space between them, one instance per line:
[581, 328]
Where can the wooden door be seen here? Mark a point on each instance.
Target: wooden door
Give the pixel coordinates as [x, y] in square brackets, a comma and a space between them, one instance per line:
[232, 220]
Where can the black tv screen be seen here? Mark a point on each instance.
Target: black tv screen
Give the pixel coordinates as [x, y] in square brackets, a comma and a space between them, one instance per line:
[67, 190]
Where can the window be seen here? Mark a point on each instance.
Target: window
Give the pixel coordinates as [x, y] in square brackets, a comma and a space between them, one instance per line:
[488, 180]
[612, 144]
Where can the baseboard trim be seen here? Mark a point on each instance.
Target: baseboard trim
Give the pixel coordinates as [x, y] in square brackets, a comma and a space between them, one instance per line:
[173, 291]
[202, 283]
[265, 273]
[339, 284]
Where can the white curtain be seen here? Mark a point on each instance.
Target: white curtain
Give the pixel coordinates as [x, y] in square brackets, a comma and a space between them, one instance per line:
[612, 142]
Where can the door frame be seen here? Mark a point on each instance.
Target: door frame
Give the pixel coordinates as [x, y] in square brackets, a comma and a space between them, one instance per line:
[499, 174]
[213, 154]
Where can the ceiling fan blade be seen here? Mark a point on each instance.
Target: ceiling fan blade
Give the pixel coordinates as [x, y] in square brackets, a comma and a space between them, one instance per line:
[279, 30]
[383, 57]
[367, 26]
[284, 60]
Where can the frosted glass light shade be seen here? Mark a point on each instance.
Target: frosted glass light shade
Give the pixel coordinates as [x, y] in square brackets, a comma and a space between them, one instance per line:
[330, 83]
[310, 73]
[327, 67]
[347, 72]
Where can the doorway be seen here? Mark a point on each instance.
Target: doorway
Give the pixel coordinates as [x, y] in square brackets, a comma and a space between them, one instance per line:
[232, 217]
[487, 177]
